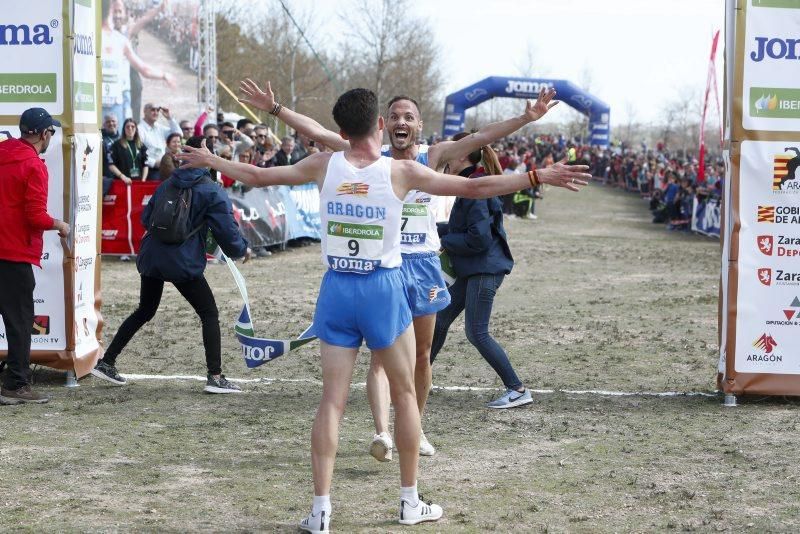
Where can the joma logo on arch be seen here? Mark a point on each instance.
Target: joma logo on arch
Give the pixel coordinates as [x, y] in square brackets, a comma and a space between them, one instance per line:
[23, 34]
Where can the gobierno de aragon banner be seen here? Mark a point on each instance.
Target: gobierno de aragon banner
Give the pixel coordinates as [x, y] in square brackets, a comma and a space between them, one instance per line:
[49, 58]
[760, 348]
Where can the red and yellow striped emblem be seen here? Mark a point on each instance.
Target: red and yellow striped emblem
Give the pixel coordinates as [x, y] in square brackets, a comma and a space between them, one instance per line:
[766, 214]
[353, 188]
[779, 170]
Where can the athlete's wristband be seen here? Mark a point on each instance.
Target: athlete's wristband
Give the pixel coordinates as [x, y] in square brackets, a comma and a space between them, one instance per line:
[533, 178]
[276, 109]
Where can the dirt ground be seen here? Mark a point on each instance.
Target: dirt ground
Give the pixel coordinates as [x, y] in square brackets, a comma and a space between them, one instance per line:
[599, 299]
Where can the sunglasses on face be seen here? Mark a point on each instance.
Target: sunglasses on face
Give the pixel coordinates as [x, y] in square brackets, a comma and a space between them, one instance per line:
[261, 136]
[212, 137]
[187, 129]
[228, 132]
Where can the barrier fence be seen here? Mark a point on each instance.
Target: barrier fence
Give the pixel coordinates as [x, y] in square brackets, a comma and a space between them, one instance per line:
[266, 216]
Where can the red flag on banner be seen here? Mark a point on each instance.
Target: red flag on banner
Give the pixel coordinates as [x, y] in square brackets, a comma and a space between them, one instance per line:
[710, 79]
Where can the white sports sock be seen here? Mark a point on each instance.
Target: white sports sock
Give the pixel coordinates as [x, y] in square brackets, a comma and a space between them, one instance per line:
[410, 495]
[321, 502]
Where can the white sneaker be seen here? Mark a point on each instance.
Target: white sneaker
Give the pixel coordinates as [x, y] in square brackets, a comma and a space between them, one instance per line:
[316, 524]
[381, 447]
[425, 448]
[411, 515]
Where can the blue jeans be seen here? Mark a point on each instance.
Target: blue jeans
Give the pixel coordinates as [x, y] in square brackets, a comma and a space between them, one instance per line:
[475, 295]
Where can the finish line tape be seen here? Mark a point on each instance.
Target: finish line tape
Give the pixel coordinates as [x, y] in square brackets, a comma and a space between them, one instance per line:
[363, 385]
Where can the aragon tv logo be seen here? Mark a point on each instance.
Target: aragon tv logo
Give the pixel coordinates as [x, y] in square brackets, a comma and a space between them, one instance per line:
[26, 35]
[785, 170]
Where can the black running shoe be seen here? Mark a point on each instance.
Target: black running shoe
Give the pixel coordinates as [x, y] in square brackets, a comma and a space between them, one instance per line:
[220, 385]
[108, 373]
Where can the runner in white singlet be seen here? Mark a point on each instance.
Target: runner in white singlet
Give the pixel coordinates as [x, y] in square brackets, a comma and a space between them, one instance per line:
[427, 289]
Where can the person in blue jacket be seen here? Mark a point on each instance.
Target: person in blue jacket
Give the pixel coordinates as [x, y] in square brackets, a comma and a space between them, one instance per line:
[475, 241]
[183, 265]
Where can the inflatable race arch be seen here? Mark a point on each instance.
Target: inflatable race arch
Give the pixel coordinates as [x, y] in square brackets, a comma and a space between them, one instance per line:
[459, 102]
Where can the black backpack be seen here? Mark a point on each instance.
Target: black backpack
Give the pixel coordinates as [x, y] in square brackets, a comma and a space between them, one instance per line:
[170, 221]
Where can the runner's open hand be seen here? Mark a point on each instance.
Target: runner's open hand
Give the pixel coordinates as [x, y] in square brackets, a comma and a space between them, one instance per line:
[567, 176]
[536, 110]
[253, 95]
[195, 158]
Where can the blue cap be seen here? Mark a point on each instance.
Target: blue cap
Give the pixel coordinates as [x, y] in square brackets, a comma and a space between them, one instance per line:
[35, 120]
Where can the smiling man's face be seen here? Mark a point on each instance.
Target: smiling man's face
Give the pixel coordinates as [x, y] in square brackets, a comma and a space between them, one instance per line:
[403, 124]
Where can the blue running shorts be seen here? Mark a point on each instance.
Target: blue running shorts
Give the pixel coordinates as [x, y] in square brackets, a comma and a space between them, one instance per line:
[427, 290]
[352, 308]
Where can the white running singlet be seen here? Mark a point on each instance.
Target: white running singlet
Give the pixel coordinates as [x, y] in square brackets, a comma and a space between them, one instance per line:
[115, 67]
[419, 232]
[360, 216]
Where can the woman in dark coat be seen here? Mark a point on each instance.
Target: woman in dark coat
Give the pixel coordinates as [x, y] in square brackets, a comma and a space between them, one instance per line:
[475, 241]
[129, 154]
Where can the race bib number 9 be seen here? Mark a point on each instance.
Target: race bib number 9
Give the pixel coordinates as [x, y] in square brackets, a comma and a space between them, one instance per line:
[354, 248]
[414, 224]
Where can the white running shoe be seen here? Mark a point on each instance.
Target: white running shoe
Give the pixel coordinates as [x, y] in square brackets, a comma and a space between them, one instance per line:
[381, 447]
[316, 524]
[425, 448]
[423, 511]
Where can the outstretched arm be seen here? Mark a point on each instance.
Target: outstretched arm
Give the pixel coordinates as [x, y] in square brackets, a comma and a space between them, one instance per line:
[449, 150]
[265, 100]
[310, 169]
[412, 175]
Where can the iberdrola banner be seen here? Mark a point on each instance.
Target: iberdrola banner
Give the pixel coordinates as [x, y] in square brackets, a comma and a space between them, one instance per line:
[256, 350]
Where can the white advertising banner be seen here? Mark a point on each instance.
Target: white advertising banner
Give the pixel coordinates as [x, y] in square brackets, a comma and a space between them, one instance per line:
[768, 317]
[87, 152]
[48, 331]
[770, 92]
[32, 49]
[84, 62]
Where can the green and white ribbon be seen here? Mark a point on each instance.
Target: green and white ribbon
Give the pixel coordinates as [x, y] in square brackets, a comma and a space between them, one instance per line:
[256, 350]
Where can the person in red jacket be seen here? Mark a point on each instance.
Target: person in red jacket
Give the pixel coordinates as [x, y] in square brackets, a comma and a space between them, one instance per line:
[24, 218]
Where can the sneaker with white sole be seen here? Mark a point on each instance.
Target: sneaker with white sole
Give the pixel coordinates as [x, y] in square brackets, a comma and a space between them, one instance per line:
[423, 511]
[108, 373]
[316, 524]
[425, 448]
[510, 399]
[220, 385]
[381, 447]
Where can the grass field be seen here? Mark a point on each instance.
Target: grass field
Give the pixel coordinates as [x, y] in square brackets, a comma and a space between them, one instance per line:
[599, 299]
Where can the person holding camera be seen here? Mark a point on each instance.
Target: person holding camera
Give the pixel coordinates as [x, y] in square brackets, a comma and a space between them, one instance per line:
[154, 135]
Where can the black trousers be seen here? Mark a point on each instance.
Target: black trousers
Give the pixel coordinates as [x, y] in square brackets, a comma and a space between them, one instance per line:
[198, 293]
[16, 308]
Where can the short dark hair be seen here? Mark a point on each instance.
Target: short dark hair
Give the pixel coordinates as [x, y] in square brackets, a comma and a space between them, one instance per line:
[196, 141]
[402, 97]
[242, 122]
[173, 135]
[356, 111]
[228, 124]
[209, 126]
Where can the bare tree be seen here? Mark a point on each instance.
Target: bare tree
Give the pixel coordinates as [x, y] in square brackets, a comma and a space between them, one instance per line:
[393, 53]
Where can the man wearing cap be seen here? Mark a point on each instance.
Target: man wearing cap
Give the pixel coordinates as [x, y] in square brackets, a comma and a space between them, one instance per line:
[23, 218]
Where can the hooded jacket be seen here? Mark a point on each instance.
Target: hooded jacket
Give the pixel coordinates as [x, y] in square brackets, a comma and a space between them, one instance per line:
[212, 209]
[474, 236]
[23, 202]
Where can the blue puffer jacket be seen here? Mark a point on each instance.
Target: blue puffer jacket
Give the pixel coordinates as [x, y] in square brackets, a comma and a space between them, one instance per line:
[187, 261]
[474, 237]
